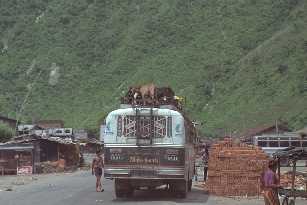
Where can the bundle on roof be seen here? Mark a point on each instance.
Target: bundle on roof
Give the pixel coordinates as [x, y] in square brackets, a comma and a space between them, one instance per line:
[151, 95]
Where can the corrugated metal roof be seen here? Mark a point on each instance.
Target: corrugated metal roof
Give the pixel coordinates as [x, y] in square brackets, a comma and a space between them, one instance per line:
[33, 137]
[17, 147]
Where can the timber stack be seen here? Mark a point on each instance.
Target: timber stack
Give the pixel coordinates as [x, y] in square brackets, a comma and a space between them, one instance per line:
[234, 169]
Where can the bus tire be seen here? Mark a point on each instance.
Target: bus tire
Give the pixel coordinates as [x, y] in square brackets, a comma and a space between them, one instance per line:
[123, 188]
[119, 193]
[190, 185]
[182, 189]
[285, 201]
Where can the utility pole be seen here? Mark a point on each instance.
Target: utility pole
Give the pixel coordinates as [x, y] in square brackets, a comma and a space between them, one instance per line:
[276, 127]
[19, 112]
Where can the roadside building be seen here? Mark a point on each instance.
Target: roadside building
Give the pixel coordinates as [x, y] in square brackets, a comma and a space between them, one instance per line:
[88, 149]
[80, 134]
[16, 158]
[28, 129]
[275, 128]
[38, 154]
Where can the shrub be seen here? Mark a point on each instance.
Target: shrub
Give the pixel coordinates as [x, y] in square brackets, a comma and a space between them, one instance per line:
[6, 132]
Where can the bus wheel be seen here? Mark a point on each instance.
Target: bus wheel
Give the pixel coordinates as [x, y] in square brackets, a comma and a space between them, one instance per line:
[190, 185]
[182, 189]
[119, 193]
[285, 201]
[123, 188]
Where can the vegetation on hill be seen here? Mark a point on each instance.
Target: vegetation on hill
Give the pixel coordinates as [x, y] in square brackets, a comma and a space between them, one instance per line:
[5, 132]
[240, 63]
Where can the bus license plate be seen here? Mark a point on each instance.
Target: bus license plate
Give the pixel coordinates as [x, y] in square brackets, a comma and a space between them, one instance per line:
[142, 173]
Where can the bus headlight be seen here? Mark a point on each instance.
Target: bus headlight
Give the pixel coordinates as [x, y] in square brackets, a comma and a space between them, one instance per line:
[115, 156]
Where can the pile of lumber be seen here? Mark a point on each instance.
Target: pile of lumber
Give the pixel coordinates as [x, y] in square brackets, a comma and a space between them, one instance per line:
[53, 166]
[234, 169]
[300, 181]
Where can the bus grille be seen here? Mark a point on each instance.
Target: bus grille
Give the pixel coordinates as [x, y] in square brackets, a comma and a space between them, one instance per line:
[144, 126]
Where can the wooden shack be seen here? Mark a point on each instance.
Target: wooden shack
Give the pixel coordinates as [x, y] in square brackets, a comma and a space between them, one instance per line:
[39, 153]
[16, 158]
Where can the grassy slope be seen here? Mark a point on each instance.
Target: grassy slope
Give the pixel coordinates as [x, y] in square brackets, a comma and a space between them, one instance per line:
[240, 63]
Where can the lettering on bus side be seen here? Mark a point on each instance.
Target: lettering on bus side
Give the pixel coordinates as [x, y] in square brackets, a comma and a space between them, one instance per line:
[143, 160]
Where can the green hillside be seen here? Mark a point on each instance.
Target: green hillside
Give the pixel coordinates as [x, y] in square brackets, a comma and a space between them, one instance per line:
[240, 63]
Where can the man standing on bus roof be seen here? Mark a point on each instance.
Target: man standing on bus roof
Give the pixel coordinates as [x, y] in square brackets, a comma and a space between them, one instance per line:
[97, 167]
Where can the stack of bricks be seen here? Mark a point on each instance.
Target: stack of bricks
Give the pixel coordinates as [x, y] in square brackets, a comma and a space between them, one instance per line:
[234, 169]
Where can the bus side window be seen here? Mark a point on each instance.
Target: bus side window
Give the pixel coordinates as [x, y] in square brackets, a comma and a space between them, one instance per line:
[273, 143]
[304, 143]
[295, 143]
[262, 144]
[284, 144]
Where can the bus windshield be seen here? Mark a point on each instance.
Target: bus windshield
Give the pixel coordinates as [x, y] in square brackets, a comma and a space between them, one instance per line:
[146, 126]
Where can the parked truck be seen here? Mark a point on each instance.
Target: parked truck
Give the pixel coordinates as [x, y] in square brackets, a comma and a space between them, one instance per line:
[149, 142]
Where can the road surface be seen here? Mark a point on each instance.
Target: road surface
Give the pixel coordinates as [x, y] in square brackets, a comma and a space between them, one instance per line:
[78, 188]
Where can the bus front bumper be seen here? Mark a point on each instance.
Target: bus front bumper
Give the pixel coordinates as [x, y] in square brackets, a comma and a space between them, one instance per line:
[160, 173]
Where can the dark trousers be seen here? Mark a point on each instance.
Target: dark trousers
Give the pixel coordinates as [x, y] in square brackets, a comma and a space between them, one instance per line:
[205, 173]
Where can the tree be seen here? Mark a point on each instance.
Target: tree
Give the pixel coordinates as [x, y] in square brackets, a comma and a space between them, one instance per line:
[6, 132]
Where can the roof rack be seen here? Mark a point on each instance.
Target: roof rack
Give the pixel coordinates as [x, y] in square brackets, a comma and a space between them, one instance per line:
[151, 96]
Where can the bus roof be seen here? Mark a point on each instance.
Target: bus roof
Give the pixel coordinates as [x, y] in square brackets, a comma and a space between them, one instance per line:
[145, 111]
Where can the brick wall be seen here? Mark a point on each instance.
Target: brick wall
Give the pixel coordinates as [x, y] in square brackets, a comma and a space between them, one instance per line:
[235, 169]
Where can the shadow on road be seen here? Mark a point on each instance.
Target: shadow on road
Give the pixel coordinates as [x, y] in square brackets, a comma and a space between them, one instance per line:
[195, 196]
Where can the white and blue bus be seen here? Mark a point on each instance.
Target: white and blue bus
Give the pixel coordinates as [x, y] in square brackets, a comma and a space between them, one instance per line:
[270, 143]
[146, 147]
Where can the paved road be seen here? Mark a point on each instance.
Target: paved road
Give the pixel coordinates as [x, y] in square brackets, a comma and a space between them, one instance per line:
[79, 189]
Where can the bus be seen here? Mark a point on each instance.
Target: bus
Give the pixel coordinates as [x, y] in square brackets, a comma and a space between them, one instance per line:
[147, 147]
[270, 143]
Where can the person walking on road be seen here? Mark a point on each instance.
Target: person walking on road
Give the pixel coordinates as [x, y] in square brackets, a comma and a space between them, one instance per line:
[205, 158]
[270, 185]
[97, 167]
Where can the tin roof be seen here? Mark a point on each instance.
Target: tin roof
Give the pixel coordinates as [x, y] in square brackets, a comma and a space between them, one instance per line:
[32, 137]
[16, 147]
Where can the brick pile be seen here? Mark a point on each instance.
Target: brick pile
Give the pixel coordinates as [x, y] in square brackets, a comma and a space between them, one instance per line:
[234, 169]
